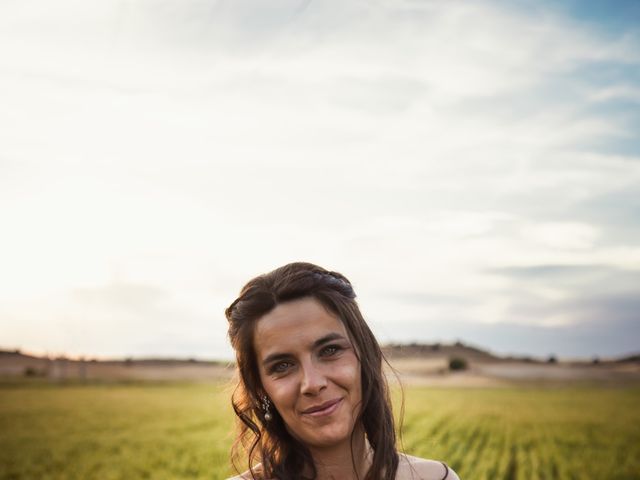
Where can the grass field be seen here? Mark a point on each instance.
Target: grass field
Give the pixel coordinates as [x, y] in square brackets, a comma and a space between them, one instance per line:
[182, 431]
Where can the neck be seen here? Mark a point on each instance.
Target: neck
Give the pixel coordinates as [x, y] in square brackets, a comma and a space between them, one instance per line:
[345, 461]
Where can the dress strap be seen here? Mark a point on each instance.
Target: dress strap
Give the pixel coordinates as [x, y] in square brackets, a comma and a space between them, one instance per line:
[446, 470]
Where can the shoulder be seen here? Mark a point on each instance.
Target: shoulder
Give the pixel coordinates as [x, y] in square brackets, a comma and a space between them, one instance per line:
[414, 468]
[246, 476]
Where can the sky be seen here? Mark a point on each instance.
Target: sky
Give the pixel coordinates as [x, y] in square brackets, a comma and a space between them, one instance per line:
[473, 167]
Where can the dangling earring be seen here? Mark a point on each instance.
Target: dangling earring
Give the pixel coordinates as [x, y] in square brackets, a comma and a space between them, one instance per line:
[265, 406]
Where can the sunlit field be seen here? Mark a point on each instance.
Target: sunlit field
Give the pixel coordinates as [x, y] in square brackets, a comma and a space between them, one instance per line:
[182, 431]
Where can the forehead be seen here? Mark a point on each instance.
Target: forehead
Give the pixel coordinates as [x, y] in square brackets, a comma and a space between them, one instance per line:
[294, 325]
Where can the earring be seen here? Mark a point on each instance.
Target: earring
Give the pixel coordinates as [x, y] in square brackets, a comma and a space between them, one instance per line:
[265, 406]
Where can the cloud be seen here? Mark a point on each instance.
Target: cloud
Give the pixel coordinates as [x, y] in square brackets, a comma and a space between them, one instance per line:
[562, 235]
[553, 272]
[460, 160]
[572, 295]
[571, 310]
[128, 297]
[117, 319]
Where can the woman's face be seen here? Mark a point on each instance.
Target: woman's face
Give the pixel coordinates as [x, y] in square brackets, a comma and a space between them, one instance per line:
[310, 371]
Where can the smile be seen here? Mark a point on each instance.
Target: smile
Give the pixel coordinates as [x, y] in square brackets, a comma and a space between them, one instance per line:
[326, 408]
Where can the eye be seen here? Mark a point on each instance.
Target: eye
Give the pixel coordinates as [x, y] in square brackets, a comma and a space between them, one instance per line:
[330, 350]
[280, 367]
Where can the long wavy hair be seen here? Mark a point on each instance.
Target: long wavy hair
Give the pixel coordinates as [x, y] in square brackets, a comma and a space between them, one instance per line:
[268, 443]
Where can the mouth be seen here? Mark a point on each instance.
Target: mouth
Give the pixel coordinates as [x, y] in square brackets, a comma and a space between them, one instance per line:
[323, 409]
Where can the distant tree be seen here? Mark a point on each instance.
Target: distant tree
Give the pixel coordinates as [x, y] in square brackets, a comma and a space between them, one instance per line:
[595, 360]
[552, 359]
[458, 363]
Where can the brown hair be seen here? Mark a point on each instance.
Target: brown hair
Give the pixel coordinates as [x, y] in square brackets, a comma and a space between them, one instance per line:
[281, 456]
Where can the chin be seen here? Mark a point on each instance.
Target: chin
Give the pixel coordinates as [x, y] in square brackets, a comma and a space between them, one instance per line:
[324, 438]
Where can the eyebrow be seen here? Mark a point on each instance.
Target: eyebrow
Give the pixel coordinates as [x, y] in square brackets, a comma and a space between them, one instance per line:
[321, 341]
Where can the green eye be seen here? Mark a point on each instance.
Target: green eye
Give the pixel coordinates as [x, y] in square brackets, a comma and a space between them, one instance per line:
[280, 367]
[330, 350]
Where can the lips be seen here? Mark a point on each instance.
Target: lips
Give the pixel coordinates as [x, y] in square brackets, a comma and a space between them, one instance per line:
[326, 408]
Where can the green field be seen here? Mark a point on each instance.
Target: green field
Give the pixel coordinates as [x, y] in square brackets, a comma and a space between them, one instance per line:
[182, 431]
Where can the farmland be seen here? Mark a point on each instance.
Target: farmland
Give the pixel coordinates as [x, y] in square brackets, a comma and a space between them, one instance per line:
[182, 431]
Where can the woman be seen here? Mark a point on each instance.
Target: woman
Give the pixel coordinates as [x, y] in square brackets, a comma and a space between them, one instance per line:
[311, 398]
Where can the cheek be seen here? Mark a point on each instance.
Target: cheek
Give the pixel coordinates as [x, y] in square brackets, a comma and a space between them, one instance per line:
[282, 392]
[347, 374]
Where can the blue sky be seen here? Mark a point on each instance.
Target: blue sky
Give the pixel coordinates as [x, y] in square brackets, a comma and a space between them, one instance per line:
[623, 15]
[472, 167]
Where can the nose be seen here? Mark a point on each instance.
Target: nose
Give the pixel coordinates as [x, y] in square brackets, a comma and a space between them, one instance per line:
[313, 380]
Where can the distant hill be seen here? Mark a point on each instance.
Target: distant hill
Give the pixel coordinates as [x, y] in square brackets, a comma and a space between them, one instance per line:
[15, 364]
[629, 359]
[476, 354]
[438, 350]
